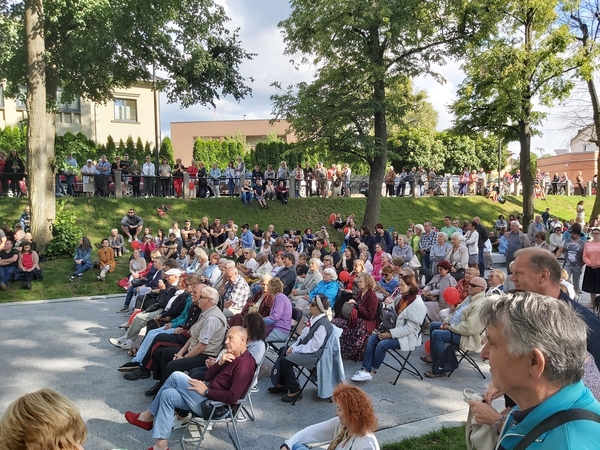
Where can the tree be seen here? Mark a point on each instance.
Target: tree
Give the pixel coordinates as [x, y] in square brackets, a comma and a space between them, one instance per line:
[360, 50]
[92, 47]
[166, 151]
[139, 151]
[522, 63]
[585, 26]
[41, 207]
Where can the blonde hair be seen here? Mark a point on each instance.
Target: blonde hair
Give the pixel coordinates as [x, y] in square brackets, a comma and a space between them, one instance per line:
[42, 420]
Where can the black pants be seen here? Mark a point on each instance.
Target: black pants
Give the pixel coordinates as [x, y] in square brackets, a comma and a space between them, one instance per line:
[168, 340]
[168, 365]
[164, 186]
[216, 241]
[148, 186]
[135, 181]
[288, 376]
[582, 189]
[389, 189]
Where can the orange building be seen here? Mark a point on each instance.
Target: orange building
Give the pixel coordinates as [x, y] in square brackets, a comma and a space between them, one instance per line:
[184, 134]
[581, 156]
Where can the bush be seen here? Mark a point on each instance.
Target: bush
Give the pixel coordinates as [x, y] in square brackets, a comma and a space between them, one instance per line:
[65, 233]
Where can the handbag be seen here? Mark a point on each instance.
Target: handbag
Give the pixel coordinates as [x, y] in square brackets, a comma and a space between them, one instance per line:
[347, 309]
[276, 370]
[388, 318]
[414, 262]
[479, 436]
[206, 407]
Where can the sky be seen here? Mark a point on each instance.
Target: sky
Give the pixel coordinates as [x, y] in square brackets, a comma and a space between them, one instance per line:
[258, 19]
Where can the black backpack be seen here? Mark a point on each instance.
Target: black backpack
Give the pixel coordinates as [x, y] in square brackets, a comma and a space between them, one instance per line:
[447, 361]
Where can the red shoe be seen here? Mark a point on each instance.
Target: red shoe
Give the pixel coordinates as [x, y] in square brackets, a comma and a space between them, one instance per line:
[134, 419]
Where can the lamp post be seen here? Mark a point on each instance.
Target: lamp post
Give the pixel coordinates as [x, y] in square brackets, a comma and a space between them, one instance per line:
[156, 125]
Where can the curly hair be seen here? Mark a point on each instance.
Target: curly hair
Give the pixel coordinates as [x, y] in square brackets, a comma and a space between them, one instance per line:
[357, 407]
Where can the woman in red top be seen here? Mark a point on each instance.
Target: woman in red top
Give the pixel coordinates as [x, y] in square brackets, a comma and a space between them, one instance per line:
[28, 264]
[357, 329]
[193, 173]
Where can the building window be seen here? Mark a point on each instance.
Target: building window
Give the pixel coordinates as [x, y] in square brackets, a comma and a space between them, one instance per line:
[125, 110]
[21, 106]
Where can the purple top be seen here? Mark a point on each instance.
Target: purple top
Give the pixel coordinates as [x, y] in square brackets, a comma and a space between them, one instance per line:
[281, 314]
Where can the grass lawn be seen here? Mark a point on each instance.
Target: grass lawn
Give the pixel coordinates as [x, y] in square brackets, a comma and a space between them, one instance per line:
[96, 216]
[445, 439]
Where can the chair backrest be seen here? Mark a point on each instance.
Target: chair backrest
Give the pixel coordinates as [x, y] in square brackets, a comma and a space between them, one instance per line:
[297, 316]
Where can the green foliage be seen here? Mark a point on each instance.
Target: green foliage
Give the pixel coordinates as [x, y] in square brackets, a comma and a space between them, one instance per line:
[121, 148]
[111, 148]
[13, 138]
[166, 151]
[77, 145]
[130, 146]
[65, 233]
[147, 150]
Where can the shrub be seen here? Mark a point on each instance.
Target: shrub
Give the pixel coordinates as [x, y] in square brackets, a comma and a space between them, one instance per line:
[65, 233]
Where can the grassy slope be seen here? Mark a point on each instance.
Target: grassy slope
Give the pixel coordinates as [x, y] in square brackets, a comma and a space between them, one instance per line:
[96, 216]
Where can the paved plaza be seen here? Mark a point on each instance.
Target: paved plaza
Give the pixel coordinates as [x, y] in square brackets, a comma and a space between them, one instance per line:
[64, 345]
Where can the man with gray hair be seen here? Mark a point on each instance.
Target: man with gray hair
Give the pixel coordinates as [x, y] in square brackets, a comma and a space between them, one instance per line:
[235, 292]
[536, 349]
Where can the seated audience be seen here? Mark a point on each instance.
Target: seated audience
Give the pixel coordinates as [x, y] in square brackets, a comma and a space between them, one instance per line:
[433, 292]
[462, 328]
[305, 351]
[116, 242]
[229, 380]
[107, 260]
[261, 303]
[28, 264]
[279, 321]
[405, 336]
[353, 428]
[82, 258]
[496, 282]
[358, 328]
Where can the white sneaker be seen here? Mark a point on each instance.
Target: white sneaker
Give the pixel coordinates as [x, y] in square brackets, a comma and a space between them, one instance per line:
[361, 375]
[129, 239]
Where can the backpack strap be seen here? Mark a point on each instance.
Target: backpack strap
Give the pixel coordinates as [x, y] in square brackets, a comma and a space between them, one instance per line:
[554, 421]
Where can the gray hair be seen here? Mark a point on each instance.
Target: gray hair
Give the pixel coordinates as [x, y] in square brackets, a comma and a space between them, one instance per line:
[200, 254]
[315, 261]
[211, 293]
[458, 235]
[229, 264]
[331, 272]
[444, 235]
[539, 260]
[388, 256]
[533, 321]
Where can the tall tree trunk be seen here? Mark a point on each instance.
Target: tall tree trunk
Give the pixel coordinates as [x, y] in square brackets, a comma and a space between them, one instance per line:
[379, 160]
[40, 179]
[526, 175]
[596, 115]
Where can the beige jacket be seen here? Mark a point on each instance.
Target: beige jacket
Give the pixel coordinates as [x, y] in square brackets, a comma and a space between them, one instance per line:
[470, 326]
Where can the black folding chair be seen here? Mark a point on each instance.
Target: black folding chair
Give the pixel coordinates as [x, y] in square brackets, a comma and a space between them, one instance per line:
[464, 354]
[403, 360]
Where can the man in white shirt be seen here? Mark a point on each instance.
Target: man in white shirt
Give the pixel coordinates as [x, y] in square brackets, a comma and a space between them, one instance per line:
[148, 172]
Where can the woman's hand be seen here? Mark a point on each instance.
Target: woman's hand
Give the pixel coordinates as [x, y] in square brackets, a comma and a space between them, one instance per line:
[352, 301]
[177, 356]
[386, 335]
[452, 269]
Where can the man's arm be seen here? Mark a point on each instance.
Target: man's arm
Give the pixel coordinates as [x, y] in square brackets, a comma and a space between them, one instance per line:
[12, 259]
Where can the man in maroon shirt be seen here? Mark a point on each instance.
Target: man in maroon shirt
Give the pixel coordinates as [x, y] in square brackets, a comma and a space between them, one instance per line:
[226, 381]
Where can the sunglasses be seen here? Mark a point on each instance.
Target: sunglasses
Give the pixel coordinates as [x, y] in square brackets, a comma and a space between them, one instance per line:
[474, 285]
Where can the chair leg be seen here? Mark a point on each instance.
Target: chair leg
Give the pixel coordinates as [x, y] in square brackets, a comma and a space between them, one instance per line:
[470, 360]
[234, 437]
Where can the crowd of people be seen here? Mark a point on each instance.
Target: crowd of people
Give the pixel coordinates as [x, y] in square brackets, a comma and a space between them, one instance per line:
[212, 298]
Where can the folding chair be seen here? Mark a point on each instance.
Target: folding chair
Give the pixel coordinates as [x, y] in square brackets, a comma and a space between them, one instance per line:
[297, 317]
[231, 415]
[250, 413]
[403, 360]
[464, 354]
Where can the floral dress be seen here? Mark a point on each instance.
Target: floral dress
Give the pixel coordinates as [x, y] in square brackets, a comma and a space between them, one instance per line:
[353, 341]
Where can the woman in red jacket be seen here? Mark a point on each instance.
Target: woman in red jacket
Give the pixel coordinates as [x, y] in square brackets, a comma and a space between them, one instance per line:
[359, 327]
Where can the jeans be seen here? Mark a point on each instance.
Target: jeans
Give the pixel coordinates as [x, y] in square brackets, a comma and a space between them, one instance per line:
[6, 273]
[175, 393]
[277, 336]
[439, 339]
[376, 350]
[80, 268]
[246, 197]
[426, 260]
[481, 263]
[147, 343]
[231, 186]
[576, 272]
[299, 447]
[129, 296]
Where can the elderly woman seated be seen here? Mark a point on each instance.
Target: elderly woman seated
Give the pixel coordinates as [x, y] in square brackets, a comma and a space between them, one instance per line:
[312, 278]
[404, 336]
[496, 283]
[358, 328]
[462, 328]
[327, 287]
[279, 321]
[388, 282]
[305, 351]
[433, 292]
[261, 302]
[458, 255]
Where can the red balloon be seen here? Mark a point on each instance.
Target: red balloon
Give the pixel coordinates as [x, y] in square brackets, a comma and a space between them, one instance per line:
[346, 230]
[452, 296]
[136, 245]
[428, 346]
[344, 276]
[230, 251]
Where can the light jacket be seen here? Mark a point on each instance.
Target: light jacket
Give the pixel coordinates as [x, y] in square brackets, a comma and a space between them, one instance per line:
[470, 325]
[408, 324]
